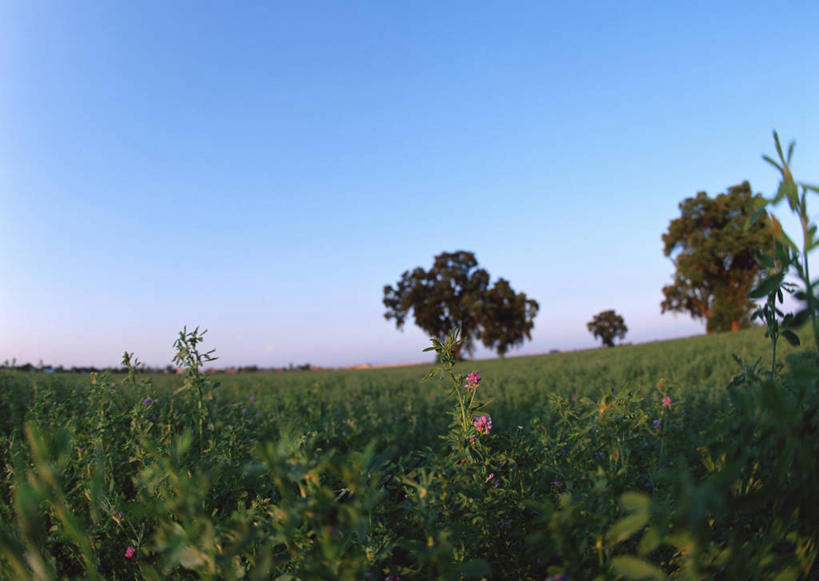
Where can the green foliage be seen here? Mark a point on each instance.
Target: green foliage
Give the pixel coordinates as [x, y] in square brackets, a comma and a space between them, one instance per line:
[607, 326]
[787, 255]
[715, 258]
[341, 474]
[456, 293]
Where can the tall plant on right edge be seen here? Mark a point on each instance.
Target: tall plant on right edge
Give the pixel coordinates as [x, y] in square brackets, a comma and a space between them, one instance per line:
[788, 257]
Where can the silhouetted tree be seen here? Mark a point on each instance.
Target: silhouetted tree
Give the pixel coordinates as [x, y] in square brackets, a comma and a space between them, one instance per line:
[456, 293]
[607, 326]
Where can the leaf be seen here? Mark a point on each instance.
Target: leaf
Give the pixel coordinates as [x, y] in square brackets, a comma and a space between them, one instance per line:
[765, 260]
[754, 217]
[634, 501]
[778, 146]
[772, 162]
[800, 318]
[787, 188]
[767, 286]
[650, 541]
[791, 337]
[638, 506]
[476, 568]
[634, 568]
[789, 574]
[789, 242]
[627, 527]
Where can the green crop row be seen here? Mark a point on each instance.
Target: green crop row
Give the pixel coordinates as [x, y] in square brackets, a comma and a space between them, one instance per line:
[665, 459]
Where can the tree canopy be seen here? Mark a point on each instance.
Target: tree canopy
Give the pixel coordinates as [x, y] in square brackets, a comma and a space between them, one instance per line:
[456, 293]
[715, 257]
[607, 326]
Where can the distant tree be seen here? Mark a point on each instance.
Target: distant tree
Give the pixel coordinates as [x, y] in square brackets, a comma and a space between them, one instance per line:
[607, 326]
[714, 254]
[506, 317]
[456, 293]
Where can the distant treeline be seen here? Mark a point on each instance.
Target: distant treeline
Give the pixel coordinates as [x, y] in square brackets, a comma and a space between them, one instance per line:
[167, 370]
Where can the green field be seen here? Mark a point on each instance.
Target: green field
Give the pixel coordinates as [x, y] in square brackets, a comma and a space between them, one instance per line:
[633, 462]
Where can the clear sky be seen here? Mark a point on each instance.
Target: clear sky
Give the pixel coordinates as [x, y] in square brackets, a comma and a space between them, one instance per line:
[263, 169]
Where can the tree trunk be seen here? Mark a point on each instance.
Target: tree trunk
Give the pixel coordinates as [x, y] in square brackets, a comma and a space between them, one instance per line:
[734, 325]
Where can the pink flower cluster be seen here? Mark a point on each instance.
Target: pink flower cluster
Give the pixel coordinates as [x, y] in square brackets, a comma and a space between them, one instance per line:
[130, 553]
[482, 424]
[473, 380]
[667, 402]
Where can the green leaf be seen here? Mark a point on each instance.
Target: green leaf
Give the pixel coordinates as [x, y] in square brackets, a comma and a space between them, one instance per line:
[476, 568]
[634, 568]
[767, 286]
[765, 260]
[791, 337]
[634, 501]
[801, 318]
[778, 146]
[787, 188]
[754, 217]
[638, 506]
[627, 527]
[650, 541]
[789, 574]
[772, 162]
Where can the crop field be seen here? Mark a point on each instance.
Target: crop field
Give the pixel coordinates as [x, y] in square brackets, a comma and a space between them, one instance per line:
[659, 460]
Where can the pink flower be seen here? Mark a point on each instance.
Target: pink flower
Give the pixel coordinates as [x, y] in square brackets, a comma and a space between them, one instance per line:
[473, 380]
[490, 477]
[483, 424]
[130, 553]
[667, 402]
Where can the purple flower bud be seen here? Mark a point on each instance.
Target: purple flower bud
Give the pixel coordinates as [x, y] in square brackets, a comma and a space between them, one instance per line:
[473, 380]
[483, 424]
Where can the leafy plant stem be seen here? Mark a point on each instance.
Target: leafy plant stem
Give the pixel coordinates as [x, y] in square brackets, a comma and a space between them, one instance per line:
[811, 299]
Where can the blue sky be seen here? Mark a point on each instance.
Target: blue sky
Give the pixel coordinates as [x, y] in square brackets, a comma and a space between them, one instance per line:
[264, 169]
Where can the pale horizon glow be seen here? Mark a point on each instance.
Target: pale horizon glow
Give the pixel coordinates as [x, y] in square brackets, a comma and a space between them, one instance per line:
[263, 170]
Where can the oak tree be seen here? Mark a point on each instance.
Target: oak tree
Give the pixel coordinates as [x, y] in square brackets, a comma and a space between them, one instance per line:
[455, 292]
[715, 257]
[607, 326]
